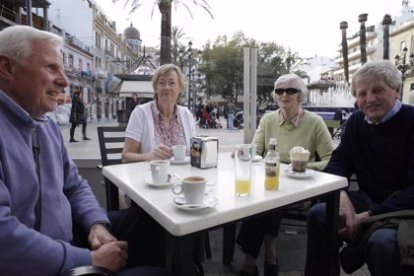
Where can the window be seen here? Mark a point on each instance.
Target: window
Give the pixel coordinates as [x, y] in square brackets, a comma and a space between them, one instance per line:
[70, 61]
[98, 40]
[402, 45]
[65, 59]
[80, 65]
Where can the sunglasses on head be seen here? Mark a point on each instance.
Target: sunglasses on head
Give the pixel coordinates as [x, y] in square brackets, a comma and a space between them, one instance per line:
[289, 91]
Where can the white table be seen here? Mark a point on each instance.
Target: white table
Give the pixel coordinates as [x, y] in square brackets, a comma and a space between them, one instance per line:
[158, 202]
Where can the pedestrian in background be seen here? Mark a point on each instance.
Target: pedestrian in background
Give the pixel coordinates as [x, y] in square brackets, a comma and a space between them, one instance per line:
[77, 117]
[230, 111]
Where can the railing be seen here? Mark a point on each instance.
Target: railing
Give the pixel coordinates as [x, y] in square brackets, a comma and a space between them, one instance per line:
[7, 13]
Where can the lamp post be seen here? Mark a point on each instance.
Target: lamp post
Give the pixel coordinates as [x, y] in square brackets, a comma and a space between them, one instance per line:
[404, 65]
[188, 59]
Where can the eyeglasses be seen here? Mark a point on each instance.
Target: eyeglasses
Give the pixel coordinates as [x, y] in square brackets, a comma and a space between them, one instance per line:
[289, 91]
[165, 84]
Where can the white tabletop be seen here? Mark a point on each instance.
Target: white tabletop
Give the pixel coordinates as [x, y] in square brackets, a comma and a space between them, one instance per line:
[158, 202]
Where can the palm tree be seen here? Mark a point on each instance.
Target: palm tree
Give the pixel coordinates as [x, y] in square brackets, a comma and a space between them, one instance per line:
[176, 36]
[165, 7]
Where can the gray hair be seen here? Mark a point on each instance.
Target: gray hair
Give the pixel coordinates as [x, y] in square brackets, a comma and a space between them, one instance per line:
[288, 78]
[163, 69]
[16, 41]
[379, 70]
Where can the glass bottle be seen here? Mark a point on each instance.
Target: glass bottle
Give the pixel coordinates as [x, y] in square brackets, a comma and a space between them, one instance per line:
[272, 166]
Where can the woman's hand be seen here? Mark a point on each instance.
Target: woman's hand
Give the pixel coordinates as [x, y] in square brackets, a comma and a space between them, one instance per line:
[160, 152]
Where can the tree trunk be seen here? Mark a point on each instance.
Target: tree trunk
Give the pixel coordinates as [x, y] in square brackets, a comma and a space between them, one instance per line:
[165, 7]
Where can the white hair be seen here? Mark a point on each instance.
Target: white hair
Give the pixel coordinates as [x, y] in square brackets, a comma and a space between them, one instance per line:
[289, 78]
[16, 41]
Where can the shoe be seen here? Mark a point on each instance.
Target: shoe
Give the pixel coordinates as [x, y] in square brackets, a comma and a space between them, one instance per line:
[86, 138]
[271, 269]
[73, 140]
[245, 273]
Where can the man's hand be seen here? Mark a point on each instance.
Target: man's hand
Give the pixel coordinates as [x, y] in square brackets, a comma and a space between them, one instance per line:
[112, 255]
[347, 222]
[99, 235]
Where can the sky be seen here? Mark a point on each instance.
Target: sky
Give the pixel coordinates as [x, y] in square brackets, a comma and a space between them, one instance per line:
[308, 27]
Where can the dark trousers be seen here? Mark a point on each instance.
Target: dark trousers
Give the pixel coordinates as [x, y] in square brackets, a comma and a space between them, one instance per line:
[73, 127]
[381, 252]
[145, 237]
[252, 232]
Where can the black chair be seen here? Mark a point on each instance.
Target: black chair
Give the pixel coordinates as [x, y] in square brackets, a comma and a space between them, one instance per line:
[111, 143]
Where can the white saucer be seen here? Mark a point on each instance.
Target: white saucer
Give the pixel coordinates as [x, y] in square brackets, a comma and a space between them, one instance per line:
[257, 158]
[210, 202]
[183, 162]
[308, 173]
[173, 180]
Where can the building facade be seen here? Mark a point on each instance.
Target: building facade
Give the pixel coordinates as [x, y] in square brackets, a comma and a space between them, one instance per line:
[401, 36]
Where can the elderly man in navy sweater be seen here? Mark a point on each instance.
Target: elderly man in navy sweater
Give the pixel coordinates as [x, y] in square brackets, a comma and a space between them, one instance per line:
[41, 191]
[378, 147]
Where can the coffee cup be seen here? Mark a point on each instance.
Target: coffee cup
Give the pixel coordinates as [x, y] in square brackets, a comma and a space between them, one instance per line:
[193, 188]
[179, 152]
[159, 171]
[299, 158]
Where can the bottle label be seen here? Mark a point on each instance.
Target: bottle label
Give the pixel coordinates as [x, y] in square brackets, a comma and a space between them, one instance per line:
[271, 169]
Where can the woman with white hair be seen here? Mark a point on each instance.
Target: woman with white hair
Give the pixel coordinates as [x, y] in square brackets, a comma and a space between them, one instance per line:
[292, 126]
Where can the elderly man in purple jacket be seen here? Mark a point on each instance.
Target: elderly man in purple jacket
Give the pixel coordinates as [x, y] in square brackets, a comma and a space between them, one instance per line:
[41, 192]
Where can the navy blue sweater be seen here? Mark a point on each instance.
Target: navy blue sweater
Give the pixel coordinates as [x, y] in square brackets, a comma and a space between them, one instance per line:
[382, 157]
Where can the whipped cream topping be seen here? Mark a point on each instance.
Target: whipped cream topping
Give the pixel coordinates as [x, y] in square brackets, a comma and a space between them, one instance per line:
[299, 153]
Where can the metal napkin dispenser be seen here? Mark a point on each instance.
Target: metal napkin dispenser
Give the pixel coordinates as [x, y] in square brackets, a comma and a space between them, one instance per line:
[204, 152]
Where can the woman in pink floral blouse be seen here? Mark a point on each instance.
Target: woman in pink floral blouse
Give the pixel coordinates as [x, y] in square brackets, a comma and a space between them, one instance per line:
[159, 124]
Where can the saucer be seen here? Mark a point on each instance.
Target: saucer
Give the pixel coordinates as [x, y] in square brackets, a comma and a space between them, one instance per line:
[257, 158]
[288, 171]
[209, 202]
[173, 180]
[183, 162]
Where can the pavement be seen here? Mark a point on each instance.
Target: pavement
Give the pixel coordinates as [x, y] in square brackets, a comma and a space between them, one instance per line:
[291, 242]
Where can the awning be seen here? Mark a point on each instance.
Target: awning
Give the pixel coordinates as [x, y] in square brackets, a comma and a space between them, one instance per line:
[142, 88]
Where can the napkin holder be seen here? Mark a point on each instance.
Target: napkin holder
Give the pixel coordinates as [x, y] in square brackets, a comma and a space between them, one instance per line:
[204, 152]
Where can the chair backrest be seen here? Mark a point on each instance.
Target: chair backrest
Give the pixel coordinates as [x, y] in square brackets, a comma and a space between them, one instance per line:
[111, 144]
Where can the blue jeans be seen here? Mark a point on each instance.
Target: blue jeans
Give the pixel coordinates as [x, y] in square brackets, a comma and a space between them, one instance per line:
[230, 119]
[381, 254]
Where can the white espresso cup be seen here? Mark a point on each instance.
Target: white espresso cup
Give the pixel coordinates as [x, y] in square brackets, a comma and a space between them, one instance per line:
[193, 189]
[179, 152]
[159, 171]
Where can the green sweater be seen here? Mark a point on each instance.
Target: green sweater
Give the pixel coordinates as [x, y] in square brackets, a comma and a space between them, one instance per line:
[311, 133]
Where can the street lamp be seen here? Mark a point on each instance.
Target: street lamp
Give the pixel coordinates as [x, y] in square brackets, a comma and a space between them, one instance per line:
[188, 59]
[403, 66]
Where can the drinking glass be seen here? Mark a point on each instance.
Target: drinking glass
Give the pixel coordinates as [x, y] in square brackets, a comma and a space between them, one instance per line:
[243, 169]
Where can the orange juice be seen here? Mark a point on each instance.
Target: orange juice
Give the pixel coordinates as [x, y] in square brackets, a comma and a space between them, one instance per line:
[242, 187]
[272, 178]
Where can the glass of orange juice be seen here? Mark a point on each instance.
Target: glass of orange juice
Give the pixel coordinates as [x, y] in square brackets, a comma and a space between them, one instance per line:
[243, 169]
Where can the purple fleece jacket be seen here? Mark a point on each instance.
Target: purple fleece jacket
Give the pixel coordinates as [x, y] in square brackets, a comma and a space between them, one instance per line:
[65, 195]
